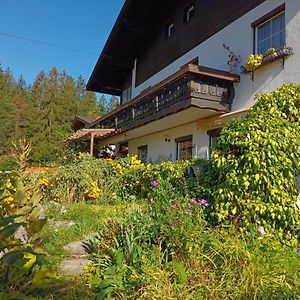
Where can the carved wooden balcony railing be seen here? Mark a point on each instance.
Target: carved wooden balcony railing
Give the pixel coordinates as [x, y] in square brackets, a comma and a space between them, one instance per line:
[192, 86]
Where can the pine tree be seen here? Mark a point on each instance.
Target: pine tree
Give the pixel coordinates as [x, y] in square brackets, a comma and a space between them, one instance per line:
[20, 109]
[7, 116]
[113, 103]
[102, 104]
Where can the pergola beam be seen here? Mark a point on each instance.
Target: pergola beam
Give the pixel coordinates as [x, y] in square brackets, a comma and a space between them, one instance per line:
[92, 144]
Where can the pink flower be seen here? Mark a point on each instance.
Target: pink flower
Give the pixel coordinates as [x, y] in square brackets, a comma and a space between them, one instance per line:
[154, 183]
[193, 201]
[173, 205]
[203, 202]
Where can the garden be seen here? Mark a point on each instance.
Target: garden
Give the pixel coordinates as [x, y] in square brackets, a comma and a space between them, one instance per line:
[161, 231]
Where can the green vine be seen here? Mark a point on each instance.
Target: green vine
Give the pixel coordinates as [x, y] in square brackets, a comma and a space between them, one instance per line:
[255, 163]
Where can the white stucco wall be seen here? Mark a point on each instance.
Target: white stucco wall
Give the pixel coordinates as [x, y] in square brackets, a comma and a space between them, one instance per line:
[161, 150]
[239, 37]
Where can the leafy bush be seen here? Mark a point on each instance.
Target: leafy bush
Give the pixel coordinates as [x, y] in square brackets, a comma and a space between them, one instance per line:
[7, 163]
[255, 163]
[19, 223]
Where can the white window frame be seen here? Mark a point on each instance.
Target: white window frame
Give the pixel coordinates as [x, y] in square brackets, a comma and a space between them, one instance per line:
[271, 33]
[143, 153]
[178, 143]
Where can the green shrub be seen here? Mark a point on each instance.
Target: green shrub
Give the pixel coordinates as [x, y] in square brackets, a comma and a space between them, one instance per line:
[7, 163]
[255, 163]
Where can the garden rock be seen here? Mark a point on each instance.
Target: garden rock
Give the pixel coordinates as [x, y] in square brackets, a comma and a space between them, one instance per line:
[78, 248]
[74, 267]
[21, 234]
[62, 224]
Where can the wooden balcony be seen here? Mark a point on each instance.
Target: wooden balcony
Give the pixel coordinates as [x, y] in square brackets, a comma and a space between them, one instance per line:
[191, 86]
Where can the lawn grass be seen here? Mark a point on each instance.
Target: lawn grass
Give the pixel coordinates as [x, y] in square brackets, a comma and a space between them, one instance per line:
[88, 218]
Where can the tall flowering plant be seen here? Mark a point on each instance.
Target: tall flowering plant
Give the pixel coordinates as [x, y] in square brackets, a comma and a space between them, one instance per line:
[233, 60]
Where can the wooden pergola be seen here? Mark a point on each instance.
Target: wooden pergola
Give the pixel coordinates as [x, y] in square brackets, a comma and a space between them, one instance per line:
[90, 135]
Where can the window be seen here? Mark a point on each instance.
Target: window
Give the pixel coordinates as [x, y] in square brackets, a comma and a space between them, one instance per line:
[189, 12]
[143, 153]
[126, 95]
[213, 136]
[123, 149]
[184, 147]
[170, 30]
[269, 30]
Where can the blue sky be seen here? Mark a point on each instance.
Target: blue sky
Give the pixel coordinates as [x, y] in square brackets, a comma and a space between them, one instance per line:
[79, 24]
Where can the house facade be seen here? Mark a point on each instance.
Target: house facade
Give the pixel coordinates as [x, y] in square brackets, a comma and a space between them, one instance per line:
[178, 68]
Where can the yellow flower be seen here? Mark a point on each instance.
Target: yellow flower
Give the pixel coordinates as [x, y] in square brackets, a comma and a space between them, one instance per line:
[44, 181]
[93, 192]
[9, 185]
[254, 61]
[9, 201]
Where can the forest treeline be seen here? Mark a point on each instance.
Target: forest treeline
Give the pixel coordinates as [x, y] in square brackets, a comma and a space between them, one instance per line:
[43, 112]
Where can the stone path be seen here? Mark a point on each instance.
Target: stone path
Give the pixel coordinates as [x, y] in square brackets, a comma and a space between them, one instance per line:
[75, 265]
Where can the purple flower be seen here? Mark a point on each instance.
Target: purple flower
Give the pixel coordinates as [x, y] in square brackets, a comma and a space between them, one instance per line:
[173, 205]
[193, 201]
[154, 183]
[203, 202]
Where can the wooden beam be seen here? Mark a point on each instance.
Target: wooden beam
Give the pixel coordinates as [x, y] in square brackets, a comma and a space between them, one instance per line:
[92, 144]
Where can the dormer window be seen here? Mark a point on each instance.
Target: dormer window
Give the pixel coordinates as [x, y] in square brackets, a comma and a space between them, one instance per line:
[170, 30]
[189, 12]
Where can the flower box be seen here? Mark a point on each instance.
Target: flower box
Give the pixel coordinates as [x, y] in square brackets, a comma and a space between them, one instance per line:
[280, 53]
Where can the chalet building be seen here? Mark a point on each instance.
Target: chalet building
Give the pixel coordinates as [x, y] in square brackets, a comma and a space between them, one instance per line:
[178, 67]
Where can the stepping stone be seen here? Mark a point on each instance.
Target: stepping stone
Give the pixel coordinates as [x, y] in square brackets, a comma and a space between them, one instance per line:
[78, 248]
[74, 267]
[62, 224]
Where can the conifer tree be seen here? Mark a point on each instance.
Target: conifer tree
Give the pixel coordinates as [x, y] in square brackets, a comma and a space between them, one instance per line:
[7, 117]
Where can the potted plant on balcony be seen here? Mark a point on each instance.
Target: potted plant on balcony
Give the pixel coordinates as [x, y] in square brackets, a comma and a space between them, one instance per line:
[254, 62]
[233, 60]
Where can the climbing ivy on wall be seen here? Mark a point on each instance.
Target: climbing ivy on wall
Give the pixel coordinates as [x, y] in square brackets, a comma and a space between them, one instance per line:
[255, 163]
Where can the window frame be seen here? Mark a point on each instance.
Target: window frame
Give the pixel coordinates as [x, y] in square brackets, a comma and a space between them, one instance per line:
[180, 140]
[126, 95]
[280, 10]
[140, 149]
[214, 133]
[122, 152]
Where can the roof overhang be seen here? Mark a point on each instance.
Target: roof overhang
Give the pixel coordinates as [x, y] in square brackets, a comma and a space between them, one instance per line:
[134, 26]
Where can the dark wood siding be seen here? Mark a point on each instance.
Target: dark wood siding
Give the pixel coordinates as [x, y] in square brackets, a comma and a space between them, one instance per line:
[210, 17]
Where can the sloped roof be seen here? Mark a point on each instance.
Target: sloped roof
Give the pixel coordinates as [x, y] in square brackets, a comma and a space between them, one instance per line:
[80, 122]
[130, 34]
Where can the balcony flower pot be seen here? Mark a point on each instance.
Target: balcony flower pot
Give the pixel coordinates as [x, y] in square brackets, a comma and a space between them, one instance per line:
[261, 60]
[277, 54]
